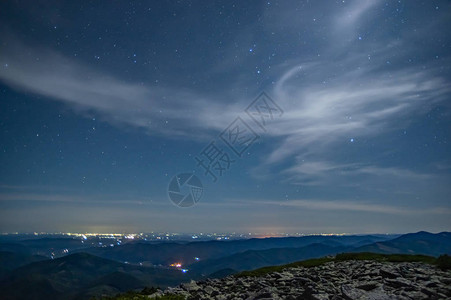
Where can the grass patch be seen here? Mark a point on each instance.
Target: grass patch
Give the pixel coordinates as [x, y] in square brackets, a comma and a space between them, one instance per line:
[385, 257]
[138, 296]
[171, 297]
[144, 294]
[443, 262]
[126, 296]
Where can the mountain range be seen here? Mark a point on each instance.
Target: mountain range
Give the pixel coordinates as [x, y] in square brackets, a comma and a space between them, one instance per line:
[96, 271]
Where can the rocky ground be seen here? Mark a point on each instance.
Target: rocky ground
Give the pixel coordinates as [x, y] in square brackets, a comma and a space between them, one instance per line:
[333, 280]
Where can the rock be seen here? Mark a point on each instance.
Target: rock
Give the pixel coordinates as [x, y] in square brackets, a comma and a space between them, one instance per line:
[351, 293]
[302, 280]
[265, 295]
[354, 280]
[209, 290]
[431, 284]
[446, 280]
[381, 294]
[415, 295]
[429, 292]
[155, 295]
[367, 285]
[386, 273]
[398, 283]
[320, 296]
[285, 277]
[191, 287]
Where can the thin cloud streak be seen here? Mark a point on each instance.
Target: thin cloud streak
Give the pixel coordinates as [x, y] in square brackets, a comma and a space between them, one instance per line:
[354, 206]
[328, 173]
[65, 198]
[174, 112]
[356, 104]
[327, 99]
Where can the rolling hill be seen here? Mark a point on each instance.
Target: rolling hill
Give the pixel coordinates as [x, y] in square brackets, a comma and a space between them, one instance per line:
[185, 253]
[102, 271]
[413, 243]
[78, 275]
[253, 259]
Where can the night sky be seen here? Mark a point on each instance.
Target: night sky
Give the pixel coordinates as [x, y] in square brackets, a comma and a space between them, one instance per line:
[102, 103]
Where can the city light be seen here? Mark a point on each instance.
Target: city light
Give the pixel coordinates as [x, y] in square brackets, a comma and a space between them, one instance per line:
[176, 265]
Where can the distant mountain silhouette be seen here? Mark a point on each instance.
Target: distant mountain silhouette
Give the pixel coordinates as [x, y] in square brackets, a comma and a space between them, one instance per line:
[413, 243]
[185, 253]
[73, 276]
[10, 261]
[15, 248]
[102, 271]
[48, 246]
[253, 259]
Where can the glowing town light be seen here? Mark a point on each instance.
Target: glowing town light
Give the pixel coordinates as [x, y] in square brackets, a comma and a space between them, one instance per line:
[176, 265]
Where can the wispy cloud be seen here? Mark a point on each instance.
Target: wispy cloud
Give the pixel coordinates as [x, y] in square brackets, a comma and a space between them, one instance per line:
[71, 198]
[336, 174]
[172, 111]
[357, 103]
[343, 92]
[355, 89]
[348, 20]
[354, 206]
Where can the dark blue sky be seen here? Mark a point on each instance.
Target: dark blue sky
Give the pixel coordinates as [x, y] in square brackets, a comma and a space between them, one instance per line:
[102, 103]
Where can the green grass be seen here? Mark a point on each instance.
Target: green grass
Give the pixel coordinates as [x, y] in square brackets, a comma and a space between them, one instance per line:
[137, 296]
[443, 262]
[143, 295]
[172, 297]
[385, 257]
